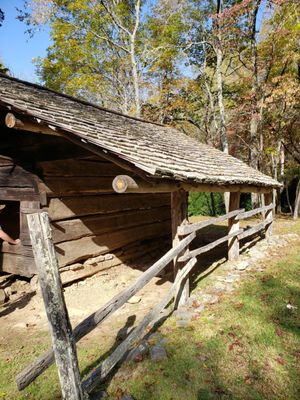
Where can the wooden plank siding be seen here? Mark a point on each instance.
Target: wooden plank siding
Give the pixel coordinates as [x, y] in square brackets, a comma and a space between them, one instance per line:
[88, 219]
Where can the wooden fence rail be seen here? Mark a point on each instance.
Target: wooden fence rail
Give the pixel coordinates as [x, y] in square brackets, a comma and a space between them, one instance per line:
[256, 211]
[39, 365]
[32, 371]
[189, 228]
[103, 370]
[194, 253]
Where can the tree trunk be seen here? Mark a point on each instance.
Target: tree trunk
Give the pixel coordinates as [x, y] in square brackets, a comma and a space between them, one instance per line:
[222, 127]
[288, 198]
[297, 202]
[135, 75]
[255, 113]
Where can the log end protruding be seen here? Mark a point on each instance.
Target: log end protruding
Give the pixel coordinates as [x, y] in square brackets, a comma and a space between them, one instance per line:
[11, 121]
[122, 183]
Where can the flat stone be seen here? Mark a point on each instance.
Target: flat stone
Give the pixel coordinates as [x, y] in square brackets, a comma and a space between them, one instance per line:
[134, 300]
[2, 296]
[76, 267]
[154, 338]
[231, 278]
[219, 287]
[183, 323]
[158, 353]
[210, 298]
[94, 260]
[199, 309]
[184, 315]
[242, 265]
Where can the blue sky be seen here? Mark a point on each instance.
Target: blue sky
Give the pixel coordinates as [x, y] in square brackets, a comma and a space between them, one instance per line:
[16, 48]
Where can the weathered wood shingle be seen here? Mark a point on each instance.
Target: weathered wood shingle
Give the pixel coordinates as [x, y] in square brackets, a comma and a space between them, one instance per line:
[161, 151]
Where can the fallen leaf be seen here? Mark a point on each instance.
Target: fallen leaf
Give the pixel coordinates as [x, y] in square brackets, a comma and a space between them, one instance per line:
[280, 361]
[195, 304]
[279, 332]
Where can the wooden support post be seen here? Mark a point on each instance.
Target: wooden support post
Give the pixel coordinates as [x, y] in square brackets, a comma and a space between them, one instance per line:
[179, 216]
[269, 215]
[59, 324]
[233, 226]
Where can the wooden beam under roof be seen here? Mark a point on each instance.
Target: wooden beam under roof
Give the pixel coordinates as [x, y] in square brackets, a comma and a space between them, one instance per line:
[127, 184]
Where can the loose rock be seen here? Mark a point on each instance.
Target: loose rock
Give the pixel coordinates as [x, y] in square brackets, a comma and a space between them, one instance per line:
[134, 300]
[2, 296]
[158, 353]
[242, 265]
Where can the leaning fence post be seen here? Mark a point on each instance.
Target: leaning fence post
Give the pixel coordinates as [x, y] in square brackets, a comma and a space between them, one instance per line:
[59, 324]
[233, 226]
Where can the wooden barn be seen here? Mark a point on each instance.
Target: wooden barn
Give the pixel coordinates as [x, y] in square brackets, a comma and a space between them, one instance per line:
[73, 159]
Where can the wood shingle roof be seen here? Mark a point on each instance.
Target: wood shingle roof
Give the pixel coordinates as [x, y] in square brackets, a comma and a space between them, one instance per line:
[160, 151]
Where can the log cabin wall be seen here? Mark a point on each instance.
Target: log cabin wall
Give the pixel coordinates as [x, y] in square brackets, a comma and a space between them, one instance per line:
[88, 218]
[18, 191]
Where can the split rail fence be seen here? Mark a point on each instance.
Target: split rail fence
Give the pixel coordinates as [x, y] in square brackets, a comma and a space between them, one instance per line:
[64, 340]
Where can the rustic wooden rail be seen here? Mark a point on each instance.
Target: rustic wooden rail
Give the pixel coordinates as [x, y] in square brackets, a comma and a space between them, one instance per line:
[31, 372]
[186, 229]
[179, 252]
[256, 211]
[103, 370]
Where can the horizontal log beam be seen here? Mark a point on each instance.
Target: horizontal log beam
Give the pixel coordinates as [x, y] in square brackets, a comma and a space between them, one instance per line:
[256, 211]
[12, 122]
[127, 184]
[31, 372]
[186, 229]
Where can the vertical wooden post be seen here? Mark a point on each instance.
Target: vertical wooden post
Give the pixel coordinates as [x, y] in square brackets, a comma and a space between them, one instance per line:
[233, 226]
[26, 207]
[269, 215]
[179, 215]
[59, 324]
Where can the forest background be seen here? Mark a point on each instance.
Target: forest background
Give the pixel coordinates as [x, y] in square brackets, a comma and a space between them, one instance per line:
[224, 72]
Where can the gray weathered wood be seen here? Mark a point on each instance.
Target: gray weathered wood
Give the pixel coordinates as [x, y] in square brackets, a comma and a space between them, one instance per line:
[233, 227]
[179, 216]
[208, 247]
[56, 310]
[256, 211]
[32, 371]
[269, 214]
[251, 231]
[186, 229]
[103, 370]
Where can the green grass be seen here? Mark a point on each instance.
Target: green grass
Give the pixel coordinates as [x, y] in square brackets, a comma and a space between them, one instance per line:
[245, 347]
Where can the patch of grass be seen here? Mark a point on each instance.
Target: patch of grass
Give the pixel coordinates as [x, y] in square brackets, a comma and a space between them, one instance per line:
[246, 347]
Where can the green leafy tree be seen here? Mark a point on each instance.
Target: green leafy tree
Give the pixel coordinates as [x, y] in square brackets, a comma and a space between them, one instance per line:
[94, 50]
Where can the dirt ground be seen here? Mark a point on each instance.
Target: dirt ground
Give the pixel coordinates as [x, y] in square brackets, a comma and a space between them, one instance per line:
[26, 311]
